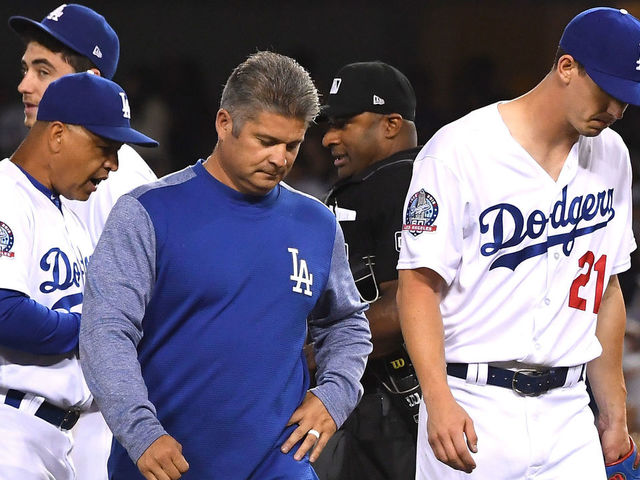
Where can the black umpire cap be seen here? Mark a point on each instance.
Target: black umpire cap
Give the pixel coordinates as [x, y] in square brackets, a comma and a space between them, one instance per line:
[370, 87]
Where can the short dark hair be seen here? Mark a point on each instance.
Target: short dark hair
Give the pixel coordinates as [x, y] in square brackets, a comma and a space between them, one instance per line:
[78, 62]
[270, 82]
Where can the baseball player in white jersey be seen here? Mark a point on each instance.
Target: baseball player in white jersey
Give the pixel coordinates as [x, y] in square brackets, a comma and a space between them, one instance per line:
[44, 251]
[73, 38]
[517, 220]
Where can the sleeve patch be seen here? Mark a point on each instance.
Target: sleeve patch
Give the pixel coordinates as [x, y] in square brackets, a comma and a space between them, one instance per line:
[421, 214]
[6, 241]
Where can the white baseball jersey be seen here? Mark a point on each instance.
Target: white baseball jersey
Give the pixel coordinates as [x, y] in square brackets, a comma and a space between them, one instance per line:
[525, 258]
[43, 254]
[132, 172]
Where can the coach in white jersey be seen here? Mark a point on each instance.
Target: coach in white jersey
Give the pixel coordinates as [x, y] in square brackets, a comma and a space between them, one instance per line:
[517, 220]
[70, 39]
[73, 38]
[44, 250]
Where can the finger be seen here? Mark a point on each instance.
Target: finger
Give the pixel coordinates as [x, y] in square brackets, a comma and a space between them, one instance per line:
[320, 444]
[170, 469]
[157, 473]
[181, 464]
[294, 438]
[296, 416]
[462, 453]
[451, 456]
[307, 445]
[149, 476]
[472, 437]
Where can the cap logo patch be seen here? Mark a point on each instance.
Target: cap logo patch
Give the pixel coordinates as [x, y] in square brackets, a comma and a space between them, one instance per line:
[6, 241]
[126, 111]
[335, 86]
[57, 13]
[97, 52]
[638, 63]
[377, 100]
[422, 211]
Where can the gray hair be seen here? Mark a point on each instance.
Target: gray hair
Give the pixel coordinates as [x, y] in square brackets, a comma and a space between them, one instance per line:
[269, 82]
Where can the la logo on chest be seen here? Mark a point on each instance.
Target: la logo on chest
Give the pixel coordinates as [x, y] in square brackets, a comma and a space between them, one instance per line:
[300, 275]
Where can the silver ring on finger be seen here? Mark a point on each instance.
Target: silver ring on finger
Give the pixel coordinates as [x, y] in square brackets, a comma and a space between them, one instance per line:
[314, 432]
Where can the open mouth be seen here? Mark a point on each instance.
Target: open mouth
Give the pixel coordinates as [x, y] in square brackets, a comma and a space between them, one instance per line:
[96, 181]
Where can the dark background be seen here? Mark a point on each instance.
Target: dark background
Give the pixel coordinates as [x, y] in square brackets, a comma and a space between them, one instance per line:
[176, 56]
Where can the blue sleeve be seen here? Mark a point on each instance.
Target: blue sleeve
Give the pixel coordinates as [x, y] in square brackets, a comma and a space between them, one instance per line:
[29, 326]
[122, 267]
[340, 332]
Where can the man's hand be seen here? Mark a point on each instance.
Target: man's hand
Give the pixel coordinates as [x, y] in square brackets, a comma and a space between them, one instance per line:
[310, 415]
[614, 440]
[163, 460]
[447, 427]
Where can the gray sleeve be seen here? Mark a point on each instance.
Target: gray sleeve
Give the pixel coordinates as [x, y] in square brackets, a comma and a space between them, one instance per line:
[120, 278]
[342, 338]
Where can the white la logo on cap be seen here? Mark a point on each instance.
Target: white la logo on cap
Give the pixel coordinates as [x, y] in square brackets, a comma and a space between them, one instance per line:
[377, 100]
[97, 52]
[126, 111]
[57, 13]
[335, 86]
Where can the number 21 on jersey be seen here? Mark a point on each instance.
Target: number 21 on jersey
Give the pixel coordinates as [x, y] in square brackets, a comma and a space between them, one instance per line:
[597, 267]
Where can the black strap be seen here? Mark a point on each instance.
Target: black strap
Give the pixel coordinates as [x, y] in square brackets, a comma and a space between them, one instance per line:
[524, 382]
[56, 416]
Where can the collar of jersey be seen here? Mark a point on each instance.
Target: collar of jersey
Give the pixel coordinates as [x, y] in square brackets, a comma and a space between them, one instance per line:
[257, 202]
[409, 154]
[53, 197]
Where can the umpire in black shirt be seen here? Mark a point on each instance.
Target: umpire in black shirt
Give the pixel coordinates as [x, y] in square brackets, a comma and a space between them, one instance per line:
[372, 137]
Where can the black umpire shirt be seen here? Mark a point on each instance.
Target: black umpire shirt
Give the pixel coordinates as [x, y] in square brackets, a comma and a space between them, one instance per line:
[369, 207]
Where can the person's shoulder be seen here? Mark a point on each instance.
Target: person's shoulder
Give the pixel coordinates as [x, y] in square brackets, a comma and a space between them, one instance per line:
[10, 180]
[608, 147]
[164, 183]
[610, 139]
[310, 204]
[476, 125]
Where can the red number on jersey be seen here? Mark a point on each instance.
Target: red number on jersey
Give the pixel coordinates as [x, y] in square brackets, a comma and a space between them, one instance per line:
[575, 300]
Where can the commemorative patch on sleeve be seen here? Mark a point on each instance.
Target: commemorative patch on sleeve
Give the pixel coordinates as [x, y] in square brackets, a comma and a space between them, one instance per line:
[421, 214]
[6, 241]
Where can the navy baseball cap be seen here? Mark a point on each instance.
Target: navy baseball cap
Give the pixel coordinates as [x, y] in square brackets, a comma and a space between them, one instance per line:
[93, 102]
[80, 29]
[606, 41]
[370, 87]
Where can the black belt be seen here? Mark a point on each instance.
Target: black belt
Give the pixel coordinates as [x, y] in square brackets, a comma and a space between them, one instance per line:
[529, 383]
[56, 416]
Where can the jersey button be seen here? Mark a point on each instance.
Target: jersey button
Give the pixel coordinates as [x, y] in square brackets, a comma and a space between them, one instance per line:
[556, 255]
[547, 301]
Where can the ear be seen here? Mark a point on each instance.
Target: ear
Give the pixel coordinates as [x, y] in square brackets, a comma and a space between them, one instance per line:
[95, 71]
[224, 123]
[55, 136]
[392, 125]
[565, 68]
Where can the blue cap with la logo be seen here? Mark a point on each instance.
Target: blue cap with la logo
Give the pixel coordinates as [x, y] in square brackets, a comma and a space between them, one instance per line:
[606, 41]
[80, 29]
[95, 103]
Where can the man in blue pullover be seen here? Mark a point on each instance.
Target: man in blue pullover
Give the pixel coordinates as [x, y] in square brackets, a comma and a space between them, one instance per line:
[200, 295]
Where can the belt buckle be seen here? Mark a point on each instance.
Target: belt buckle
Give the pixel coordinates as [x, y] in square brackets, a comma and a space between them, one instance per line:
[525, 372]
[70, 419]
